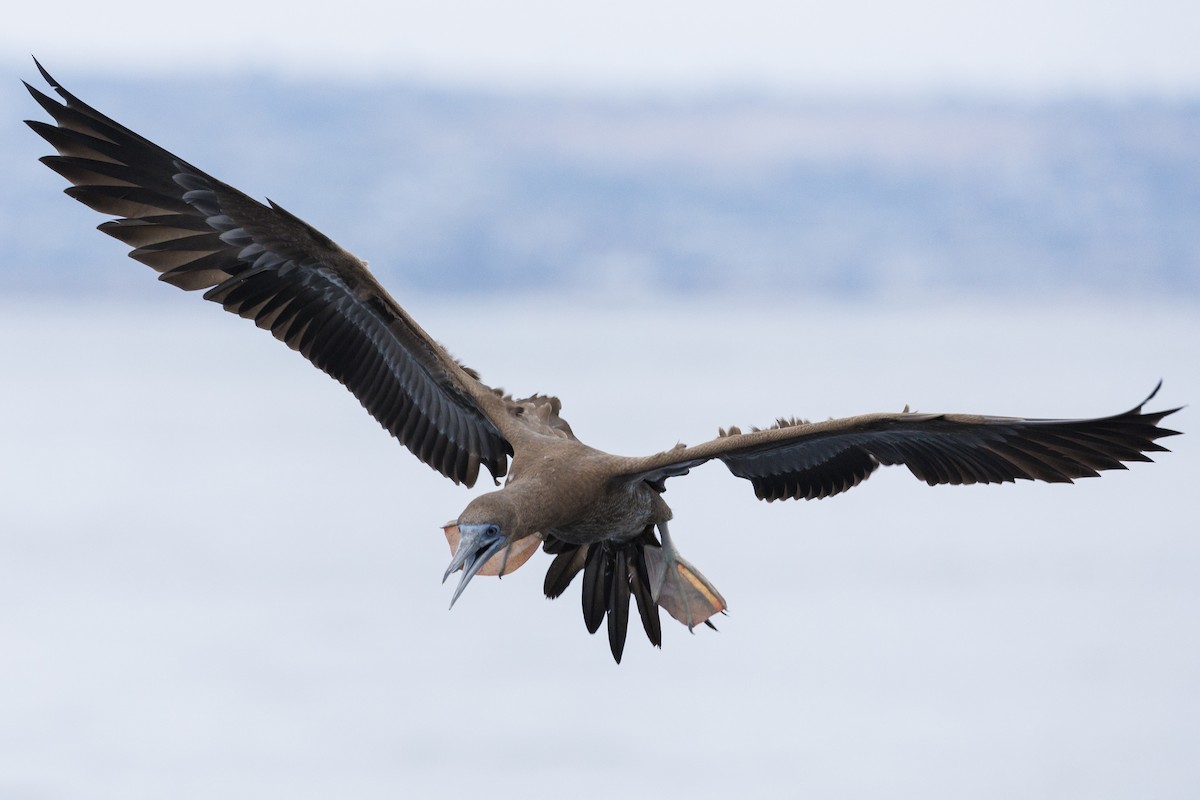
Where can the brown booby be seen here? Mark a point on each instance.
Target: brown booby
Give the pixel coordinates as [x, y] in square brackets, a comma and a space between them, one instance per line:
[598, 514]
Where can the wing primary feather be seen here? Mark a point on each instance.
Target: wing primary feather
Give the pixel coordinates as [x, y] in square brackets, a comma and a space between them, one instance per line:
[262, 262]
[813, 460]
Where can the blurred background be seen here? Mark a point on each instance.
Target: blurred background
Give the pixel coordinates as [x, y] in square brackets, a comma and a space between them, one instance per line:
[217, 577]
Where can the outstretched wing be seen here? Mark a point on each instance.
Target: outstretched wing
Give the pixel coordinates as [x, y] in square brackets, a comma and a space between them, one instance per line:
[263, 263]
[794, 460]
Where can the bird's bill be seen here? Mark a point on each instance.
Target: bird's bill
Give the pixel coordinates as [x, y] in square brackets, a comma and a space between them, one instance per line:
[477, 553]
[503, 563]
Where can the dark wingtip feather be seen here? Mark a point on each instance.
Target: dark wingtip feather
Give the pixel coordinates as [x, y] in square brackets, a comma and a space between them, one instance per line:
[1155, 417]
[45, 75]
[1150, 396]
[58, 87]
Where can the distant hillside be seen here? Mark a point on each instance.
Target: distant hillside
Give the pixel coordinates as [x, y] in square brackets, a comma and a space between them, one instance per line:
[453, 191]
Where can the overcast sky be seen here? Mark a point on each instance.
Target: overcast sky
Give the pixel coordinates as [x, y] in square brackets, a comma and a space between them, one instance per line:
[1028, 47]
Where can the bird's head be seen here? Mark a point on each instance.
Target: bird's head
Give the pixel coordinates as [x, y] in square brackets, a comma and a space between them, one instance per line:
[487, 539]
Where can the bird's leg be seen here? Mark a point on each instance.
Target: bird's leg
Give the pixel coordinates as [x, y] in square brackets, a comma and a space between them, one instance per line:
[679, 587]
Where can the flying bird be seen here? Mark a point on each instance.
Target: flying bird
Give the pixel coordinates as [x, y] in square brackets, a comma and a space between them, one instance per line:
[599, 515]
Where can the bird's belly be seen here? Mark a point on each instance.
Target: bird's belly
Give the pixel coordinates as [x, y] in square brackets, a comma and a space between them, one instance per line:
[614, 518]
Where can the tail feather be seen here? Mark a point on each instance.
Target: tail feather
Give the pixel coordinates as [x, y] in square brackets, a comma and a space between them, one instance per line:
[612, 574]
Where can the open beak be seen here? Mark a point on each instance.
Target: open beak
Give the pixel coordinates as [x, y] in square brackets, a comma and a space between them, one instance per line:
[476, 545]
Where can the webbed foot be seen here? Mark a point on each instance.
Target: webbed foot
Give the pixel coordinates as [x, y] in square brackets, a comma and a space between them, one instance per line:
[679, 587]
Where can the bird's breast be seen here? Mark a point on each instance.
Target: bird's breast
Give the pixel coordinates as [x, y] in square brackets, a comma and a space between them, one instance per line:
[614, 516]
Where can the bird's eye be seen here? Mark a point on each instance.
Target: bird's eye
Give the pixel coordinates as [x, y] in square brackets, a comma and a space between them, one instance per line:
[493, 530]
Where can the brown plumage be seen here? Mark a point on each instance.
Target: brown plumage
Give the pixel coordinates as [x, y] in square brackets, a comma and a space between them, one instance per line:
[597, 514]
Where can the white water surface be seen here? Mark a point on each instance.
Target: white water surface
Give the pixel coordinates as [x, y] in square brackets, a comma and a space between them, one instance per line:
[218, 578]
